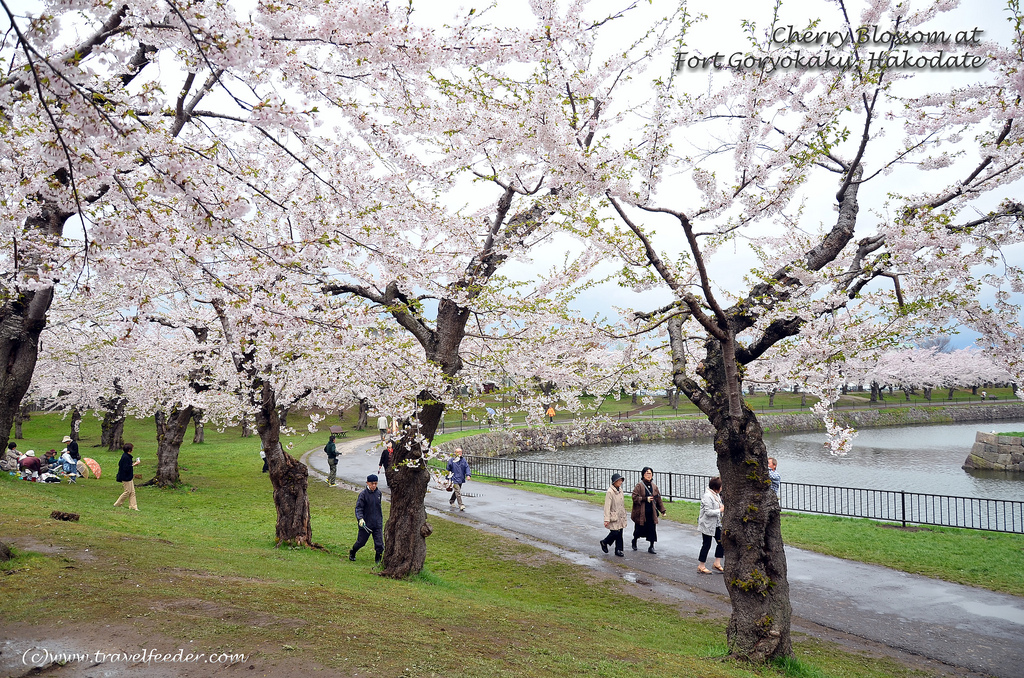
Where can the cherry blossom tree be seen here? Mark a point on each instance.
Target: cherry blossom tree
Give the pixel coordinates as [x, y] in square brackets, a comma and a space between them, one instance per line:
[881, 264]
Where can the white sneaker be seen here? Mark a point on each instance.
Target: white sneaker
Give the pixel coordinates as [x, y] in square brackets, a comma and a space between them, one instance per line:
[462, 508]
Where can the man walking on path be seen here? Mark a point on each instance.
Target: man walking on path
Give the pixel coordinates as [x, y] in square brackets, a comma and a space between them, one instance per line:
[459, 468]
[774, 475]
[332, 461]
[370, 519]
[382, 426]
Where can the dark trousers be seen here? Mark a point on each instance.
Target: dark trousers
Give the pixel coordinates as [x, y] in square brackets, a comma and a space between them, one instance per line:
[614, 536]
[719, 552]
[332, 462]
[378, 541]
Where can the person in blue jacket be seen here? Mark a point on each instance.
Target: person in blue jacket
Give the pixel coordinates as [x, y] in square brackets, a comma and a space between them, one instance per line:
[371, 520]
[459, 470]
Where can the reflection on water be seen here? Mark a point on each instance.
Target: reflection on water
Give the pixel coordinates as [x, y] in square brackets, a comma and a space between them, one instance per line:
[912, 458]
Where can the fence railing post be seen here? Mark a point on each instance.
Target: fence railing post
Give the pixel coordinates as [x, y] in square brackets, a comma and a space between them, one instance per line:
[903, 507]
[584, 480]
[514, 476]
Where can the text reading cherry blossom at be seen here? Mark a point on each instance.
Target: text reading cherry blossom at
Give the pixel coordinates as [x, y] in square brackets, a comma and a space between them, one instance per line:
[868, 46]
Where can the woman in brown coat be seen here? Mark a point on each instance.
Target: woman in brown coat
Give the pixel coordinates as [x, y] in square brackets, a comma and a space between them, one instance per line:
[647, 505]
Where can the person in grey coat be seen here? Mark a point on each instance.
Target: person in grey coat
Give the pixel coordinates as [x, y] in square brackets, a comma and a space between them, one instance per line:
[709, 522]
[615, 516]
[370, 518]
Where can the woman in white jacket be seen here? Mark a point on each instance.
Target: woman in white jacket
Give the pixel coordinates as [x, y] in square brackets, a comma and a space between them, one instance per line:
[710, 525]
[615, 516]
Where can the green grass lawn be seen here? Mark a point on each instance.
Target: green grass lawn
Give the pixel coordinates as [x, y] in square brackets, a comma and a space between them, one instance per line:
[197, 564]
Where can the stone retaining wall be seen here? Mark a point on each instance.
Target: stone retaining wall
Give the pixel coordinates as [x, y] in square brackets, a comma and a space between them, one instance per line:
[996, 453]
[504, 443]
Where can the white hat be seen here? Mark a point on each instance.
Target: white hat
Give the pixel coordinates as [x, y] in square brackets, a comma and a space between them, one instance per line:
[30, 453]
[66, 439]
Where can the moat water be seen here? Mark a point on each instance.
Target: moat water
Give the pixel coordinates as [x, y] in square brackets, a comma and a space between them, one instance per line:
[923, 459]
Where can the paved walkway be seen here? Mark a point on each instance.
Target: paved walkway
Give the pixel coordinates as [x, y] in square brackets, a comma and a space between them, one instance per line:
[957, 625]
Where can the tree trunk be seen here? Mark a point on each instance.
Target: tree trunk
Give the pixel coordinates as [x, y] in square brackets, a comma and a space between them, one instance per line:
[364, 413]
[112, 428]
[76, 423]
[803, 399]
[23, 317]
[755, 559]
[246, 429]
[771, 398]
[906, 394]
[952, 389]
[407, 529]
[876, 392]
[927, 394]
[288, 476]
[197, 421]
[20, 417]
[170, 432]
[974, 390]
[282, 417]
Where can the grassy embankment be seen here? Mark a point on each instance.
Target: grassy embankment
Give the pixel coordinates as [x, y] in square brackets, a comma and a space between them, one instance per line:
[197, 565]
[474, 418]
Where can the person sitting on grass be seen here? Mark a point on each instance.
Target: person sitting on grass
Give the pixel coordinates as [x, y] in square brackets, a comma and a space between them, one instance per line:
[30, 465]
[9, 462]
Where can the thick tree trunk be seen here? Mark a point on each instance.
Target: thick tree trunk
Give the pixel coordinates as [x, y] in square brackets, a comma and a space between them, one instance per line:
[755, 559]
[927, 394]
[22, 319]
[170, 432]
[288, 476]
[112, 427]
[952, 389]
[364, 413]
[771, 399]
[407, 529]
[755, 562]
[199, 437]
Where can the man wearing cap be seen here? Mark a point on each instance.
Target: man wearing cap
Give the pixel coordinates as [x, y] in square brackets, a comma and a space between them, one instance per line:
[370, 519]
[615, 516]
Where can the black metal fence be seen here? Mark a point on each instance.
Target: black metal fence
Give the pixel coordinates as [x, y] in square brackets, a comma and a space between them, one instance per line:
[997, 515]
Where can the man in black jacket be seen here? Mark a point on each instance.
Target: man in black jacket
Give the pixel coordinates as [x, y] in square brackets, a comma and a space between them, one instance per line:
[370, 519]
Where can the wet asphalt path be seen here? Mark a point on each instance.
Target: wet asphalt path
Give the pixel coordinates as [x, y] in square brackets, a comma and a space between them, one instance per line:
[957, 625]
